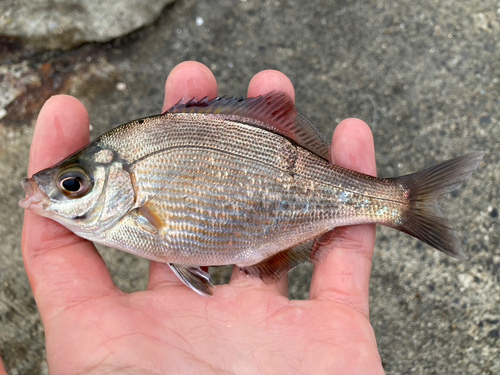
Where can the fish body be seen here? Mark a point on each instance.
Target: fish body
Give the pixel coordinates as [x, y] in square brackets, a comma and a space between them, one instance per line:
[232, 181]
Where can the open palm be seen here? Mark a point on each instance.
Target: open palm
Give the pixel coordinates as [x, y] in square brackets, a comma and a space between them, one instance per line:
[247, 327]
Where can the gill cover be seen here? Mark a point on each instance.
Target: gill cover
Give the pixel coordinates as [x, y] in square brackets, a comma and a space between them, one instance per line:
[89, 191]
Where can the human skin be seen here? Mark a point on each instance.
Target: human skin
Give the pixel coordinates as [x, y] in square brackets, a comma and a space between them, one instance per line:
[2, 369]
[246, 327]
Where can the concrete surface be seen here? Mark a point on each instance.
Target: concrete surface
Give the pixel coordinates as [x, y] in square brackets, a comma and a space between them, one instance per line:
[424, 74]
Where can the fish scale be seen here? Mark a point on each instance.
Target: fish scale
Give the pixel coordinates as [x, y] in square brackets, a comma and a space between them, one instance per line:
[232, 181]
[209, 225]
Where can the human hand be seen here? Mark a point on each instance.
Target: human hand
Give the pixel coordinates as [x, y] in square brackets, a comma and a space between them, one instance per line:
[247, 327]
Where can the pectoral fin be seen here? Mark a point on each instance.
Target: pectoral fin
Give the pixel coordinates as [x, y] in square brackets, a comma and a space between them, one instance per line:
[151, 214]
[193, 277]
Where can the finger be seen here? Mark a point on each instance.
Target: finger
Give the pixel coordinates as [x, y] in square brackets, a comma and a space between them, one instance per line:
[187, 80]
[263, 83]
[270, 80]
[2, 368]
[343, 273]
[61, 267]
[62, 128]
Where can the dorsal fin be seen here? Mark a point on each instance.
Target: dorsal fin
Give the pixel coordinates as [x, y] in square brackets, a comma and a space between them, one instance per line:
[274, 112]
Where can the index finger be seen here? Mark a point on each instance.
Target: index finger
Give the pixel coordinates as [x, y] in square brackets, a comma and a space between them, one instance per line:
[61, 266]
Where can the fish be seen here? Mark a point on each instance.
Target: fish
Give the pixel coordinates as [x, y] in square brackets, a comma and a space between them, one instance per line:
[242, 181]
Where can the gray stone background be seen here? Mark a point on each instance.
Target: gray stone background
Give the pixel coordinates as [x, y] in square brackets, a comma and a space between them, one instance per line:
[424, 74]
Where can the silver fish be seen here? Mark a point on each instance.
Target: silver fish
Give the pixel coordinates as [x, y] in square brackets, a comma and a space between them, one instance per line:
[232, 181]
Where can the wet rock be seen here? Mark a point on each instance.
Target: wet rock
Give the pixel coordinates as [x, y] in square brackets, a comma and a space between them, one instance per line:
[15, 80]
[63, 24]
[26, 85]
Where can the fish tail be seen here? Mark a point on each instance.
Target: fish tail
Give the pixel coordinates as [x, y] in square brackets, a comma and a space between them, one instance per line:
[423, 219]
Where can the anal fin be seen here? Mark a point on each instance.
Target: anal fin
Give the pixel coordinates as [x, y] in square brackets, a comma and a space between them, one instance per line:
[277, 266]
[193, 277]
[337, 234]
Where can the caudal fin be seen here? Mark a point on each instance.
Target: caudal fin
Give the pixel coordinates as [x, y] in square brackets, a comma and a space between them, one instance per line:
[424, 219]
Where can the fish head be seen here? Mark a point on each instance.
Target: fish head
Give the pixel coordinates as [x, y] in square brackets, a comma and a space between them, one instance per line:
[87, 192]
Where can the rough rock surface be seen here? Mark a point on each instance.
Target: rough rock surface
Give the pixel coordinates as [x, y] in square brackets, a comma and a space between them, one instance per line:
[63, 24]
[423, 74]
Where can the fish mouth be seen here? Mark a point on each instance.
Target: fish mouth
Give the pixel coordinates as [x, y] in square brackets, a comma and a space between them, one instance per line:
[36, 200]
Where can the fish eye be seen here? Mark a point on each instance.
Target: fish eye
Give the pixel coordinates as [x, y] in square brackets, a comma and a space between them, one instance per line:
[74, 182]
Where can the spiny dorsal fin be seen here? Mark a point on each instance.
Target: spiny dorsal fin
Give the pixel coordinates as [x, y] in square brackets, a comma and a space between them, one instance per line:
[274, 112]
